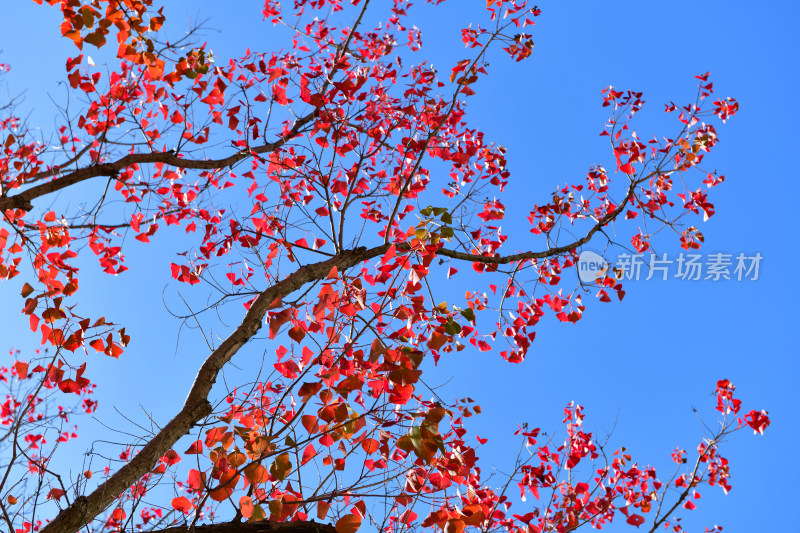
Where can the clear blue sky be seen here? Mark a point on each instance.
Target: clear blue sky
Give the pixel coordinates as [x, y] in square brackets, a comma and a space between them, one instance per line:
[642, 364]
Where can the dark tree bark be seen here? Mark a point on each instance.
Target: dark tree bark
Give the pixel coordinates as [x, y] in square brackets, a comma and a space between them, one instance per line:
[254, 527]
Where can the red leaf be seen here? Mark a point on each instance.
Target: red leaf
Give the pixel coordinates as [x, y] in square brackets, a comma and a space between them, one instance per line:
[297, 333]
[196, 480]
[171, 458]
[308, 454]
[195, 448]
[55, 494]
[759, 421]
[635, 520]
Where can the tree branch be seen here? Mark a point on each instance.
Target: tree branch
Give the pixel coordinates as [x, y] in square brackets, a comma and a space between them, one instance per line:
[550, 252]
[197, 406]
[254, 527]
[23, 199]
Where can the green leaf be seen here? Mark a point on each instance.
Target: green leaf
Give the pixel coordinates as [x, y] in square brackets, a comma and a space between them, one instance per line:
[468, 313]
[258, 514]
[88, 16]
[452, 327]
[439, 442]
[415, 436]
[404, 443]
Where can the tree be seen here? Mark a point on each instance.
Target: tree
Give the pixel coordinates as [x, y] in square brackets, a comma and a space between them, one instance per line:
[325, 187]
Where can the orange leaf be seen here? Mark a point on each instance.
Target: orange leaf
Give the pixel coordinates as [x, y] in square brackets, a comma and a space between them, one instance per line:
[75, 36]
[370, 446]
[227, 483]
[214, 435]
[246, 506]
[22, 369]
[310, 423]
[454, 525]
[26, 290]
[348, 524]
[436, 340]
[56, 337]
[473, 515]
[334, 273]
[182, 504]
[256, 473]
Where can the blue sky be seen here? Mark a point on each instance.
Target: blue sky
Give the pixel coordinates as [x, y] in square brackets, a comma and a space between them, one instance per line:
[639, 366]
